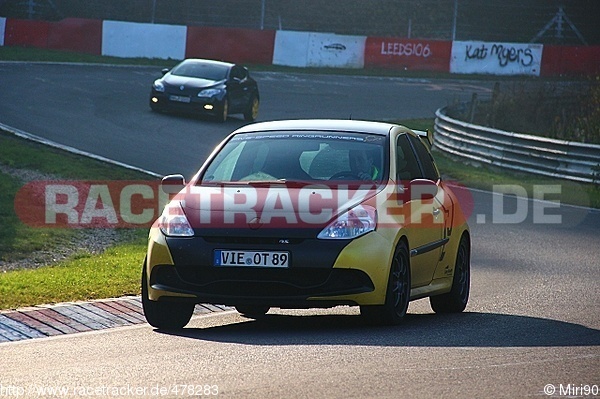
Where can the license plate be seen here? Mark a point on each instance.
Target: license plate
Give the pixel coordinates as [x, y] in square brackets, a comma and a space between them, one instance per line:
[225, 257]
[181, 99]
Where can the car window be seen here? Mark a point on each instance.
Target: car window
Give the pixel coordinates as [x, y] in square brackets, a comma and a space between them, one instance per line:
[425, 159]
[312, 157]
[201, 70]
[238, 72]
[407, 165]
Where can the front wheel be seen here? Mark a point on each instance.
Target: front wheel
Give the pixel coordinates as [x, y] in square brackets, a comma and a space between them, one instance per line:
[397, 294]
[164, 315]
[223, 111]
[251, 112]
[456, 300]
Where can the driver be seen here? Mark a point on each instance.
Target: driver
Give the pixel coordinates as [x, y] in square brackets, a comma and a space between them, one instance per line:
[361, 164]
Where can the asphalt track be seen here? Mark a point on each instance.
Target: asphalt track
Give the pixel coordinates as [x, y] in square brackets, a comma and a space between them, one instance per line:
[532, 324]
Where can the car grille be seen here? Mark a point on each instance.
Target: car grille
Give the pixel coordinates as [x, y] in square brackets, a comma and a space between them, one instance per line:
[245, 282]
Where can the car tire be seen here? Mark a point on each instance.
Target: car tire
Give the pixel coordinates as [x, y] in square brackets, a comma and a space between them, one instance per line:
[251, 113]
[252, 312]
[164, 315]
[223, 111]
[397, 294]
[456, 300]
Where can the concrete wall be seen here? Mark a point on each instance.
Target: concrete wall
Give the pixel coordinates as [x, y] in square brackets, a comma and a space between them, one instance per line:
[408, 54]
[496, 58]
[299, 49]
[129, 39]
[310, 49]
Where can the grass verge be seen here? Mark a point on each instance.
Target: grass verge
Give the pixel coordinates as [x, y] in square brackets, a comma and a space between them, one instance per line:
[81, 276]
[113, 273]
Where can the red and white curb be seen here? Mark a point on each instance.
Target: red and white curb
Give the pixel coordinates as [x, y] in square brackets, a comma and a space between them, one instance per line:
[74, 317]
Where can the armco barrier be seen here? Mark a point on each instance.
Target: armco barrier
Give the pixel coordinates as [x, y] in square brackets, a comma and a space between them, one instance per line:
[517, 151]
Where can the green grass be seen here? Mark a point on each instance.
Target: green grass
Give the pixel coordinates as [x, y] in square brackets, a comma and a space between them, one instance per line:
[17, 240]
[14, 53]
[114, 273]
[82, 276]
[18, 153]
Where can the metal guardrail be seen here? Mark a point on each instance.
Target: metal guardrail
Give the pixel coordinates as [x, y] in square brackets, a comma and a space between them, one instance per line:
[522, 152]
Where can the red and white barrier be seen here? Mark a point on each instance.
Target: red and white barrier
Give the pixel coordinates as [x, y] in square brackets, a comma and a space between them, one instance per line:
[310, 49]
[129, 39]
[246, 46]
[408, 54]
[299, 49]
[571, 61]
[496, 58]
[71, 34]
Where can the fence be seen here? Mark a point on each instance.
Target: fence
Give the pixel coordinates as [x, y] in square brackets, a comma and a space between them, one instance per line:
[494, 21]
[517, 151]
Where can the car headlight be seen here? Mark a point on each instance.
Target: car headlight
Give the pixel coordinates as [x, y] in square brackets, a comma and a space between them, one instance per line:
[159, 86]
[209, 92]
[173, 221]
[351, 224]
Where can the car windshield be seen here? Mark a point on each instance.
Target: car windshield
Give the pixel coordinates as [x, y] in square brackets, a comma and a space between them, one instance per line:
[298, 157]
[201, 70]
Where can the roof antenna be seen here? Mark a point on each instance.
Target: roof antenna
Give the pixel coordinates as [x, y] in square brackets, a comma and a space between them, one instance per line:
[350, 116]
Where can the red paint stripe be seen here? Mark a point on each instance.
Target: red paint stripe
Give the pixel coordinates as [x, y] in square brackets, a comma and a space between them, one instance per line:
[118, 313]
[120, 307]
[34, 323]
[74, 324]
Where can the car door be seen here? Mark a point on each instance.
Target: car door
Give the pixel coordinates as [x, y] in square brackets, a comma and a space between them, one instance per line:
[425, 223]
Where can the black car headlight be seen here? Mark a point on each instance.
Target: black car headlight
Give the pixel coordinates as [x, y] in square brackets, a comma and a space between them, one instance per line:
[159, 86]
[210, 92]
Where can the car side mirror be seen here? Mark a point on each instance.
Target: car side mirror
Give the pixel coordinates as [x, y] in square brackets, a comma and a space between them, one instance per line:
[172, 184]
[416, 190]
[164, 71]
[423, 189]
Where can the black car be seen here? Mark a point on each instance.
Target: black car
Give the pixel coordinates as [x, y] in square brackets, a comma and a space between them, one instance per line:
[207, 87]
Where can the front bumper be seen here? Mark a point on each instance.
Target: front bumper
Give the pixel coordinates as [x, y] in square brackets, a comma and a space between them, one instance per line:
[205, 105]
[323, 273]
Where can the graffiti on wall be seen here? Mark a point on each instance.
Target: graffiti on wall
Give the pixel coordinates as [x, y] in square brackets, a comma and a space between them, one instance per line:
[496, 58]
[405, 49]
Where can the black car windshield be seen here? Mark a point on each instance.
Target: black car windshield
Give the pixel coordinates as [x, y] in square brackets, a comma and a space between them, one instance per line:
[310, 157]
[201, 70]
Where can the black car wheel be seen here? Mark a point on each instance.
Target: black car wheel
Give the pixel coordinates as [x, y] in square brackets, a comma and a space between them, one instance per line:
[252, 112]
[164, 315]
[397, 294]
[252, 312]
[456, 300]
[223, 111]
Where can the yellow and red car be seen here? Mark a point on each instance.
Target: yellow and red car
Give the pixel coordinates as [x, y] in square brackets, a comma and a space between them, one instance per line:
[309, 213]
